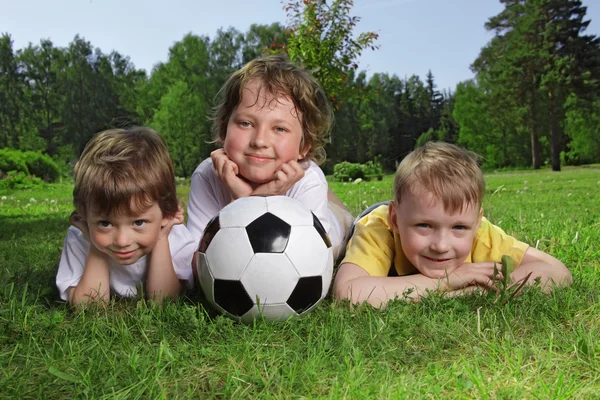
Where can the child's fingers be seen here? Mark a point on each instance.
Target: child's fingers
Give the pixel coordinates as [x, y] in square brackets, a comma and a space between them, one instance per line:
[296, 167]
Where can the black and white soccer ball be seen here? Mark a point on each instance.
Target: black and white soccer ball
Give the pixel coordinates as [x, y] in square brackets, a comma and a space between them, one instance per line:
[264, 256]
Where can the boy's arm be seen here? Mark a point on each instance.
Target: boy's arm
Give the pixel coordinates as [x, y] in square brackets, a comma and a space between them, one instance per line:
[204, 200]
[542, 265]
[95, 281]
[162, 281]
[355, 284]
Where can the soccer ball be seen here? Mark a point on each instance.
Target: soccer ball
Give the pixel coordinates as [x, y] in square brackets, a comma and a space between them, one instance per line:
[264, 256]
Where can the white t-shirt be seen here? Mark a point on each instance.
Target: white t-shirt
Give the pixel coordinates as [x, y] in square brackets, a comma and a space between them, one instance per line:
[208, 195]
[123, 278]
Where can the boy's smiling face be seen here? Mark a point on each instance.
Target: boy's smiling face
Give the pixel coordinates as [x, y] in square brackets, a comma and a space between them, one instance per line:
[263, 133]
[435, 241]
[126, 238]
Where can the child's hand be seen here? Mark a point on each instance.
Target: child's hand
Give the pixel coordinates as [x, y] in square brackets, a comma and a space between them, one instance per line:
[284, 179]
[228, 171]
[471, 274]
[174, 220]
[78, 222]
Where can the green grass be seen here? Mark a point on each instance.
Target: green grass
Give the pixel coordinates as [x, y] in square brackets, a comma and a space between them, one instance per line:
[535, 346]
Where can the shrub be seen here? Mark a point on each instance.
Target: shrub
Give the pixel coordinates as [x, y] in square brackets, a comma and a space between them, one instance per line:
[19, 180]
[42, 166]
[12, 160]
[29, 163]
[347, 171]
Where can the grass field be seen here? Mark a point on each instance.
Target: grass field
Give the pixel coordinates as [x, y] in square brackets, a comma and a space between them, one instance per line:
[534, 346]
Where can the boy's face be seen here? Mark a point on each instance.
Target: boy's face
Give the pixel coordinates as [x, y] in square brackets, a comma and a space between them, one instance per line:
[263, 133]
[434, 241]
[126, 238]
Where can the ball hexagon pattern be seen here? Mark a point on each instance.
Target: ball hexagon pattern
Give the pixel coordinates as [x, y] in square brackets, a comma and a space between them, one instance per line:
[265, 257]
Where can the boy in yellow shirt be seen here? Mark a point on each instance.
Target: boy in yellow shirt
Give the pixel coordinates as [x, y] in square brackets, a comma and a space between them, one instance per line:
[433, 236]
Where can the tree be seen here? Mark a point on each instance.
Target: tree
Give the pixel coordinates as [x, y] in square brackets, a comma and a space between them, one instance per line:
[182, 126]
[321, 39]
[11, 95]
[262, 39]
[537, 54]
[41, 64]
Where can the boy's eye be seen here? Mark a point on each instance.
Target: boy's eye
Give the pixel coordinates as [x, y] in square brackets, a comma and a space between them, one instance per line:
[460, 227]
[104, 224]
[280, 129]
[244, 124]
[423, 225]
[139, 223]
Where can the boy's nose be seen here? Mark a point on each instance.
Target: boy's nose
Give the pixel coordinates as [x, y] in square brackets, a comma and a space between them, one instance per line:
[123, 238]
[259, 139]
[440, 243]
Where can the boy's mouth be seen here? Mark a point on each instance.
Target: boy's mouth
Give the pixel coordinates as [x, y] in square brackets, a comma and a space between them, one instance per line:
[438, 260]
[259, 158]
[124, 255]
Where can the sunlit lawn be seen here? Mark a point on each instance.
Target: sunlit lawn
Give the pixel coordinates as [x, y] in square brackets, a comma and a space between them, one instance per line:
[534, 346]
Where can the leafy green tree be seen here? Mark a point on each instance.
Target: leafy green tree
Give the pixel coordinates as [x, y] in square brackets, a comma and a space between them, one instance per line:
[485, 127]
[262, 39]
[436, 100]
[534, 60]
[182, 127]
[582, 125]
[12, 95]
[321, 39]
[42, 66]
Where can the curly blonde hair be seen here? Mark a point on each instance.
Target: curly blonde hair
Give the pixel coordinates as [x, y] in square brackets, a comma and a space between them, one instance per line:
[280, 77]
[450, 173]
[124, 172]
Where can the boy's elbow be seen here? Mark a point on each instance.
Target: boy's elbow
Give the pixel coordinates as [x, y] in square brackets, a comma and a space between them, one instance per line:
[346, 277]
[555, 275]
[563, 276]
[341, 289]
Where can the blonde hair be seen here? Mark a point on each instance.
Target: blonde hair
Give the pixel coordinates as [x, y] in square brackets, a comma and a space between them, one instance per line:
[280, 77]
[450, 173]
[123, 172]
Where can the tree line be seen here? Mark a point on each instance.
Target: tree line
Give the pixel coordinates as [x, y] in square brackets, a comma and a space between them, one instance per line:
[534, 99]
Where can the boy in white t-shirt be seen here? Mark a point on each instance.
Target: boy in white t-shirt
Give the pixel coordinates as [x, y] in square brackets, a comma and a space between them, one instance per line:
[272, 122]
[127, 228]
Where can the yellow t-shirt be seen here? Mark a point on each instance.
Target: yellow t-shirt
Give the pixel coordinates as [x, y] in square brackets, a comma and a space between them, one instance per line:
[375, 246]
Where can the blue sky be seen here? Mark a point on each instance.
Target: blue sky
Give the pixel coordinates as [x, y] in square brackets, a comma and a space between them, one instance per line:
[414, 35]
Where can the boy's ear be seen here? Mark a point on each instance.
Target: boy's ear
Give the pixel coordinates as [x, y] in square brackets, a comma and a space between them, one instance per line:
[303, 152]
[392, 216]
[479, 217]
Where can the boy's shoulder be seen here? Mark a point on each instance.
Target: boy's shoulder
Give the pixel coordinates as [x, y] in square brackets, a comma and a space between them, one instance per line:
[76, 238]
[312, 171]
[205, 167]
[379, 216]
[180, 233]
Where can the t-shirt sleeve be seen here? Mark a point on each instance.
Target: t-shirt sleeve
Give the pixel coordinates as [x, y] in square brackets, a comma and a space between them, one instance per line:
[72, 261]
[371, 246]
[491, 243]
[182, 245]
[312, 193]
[203, 203]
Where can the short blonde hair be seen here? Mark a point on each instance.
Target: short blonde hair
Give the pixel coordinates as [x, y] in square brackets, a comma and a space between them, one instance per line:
[119, 166]
[450, 173]
[280, 77]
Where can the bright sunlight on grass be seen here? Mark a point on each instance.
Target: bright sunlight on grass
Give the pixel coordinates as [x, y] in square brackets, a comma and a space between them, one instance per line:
[534, 346]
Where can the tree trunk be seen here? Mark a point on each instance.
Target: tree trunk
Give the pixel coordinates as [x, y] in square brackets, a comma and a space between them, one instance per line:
[535, 142]
[555, 130]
